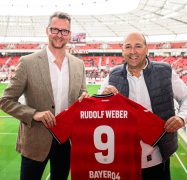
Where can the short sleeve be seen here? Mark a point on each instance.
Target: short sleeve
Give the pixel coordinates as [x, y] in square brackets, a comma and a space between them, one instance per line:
[64, 123]
[150, 126]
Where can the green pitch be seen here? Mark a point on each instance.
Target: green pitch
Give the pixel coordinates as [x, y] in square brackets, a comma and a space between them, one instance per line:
[10, 159]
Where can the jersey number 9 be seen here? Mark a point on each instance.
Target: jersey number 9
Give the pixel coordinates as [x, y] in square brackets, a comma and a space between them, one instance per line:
[108, 145]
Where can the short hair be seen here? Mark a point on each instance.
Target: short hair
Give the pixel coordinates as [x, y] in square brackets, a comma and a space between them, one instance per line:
[145, 42]
[60, 15]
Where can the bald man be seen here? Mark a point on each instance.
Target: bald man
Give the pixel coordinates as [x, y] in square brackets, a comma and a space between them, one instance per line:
[154, 85]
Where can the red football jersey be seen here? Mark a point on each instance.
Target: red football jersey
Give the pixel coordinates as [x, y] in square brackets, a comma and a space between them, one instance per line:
[105, 134]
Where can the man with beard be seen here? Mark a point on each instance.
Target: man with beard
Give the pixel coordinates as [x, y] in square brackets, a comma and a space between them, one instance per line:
[154, 85]
[50, 80]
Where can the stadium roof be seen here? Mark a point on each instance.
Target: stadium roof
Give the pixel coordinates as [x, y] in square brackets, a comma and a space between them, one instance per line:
[99, 19]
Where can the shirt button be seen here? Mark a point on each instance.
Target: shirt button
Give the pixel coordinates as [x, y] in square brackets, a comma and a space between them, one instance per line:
[53, 106]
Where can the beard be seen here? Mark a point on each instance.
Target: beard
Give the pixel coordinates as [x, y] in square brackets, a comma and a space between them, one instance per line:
[58, 45]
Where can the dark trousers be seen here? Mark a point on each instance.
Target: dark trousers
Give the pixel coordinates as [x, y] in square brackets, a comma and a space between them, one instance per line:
[59, 157]
[159, 172]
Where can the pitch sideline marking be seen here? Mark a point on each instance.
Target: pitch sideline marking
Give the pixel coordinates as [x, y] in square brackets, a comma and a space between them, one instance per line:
[185, 170]
[47, 177]
[7, 133]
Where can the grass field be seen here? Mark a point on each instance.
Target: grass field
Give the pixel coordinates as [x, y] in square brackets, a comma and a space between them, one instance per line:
[10, 159]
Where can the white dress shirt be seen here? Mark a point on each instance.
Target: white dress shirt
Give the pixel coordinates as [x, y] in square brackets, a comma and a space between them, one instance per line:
[59, 81]
[138, 92]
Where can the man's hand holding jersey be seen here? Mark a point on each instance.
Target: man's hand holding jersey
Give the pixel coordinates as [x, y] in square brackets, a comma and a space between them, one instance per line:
[110, 89]
[83, 95]
[172, 124]
[47, 117]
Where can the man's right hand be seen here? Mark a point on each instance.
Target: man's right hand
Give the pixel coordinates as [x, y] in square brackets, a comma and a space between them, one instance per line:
[110, 89]
[46, 117]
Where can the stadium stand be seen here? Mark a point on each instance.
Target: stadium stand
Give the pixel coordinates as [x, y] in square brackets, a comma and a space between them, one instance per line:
[98, 57]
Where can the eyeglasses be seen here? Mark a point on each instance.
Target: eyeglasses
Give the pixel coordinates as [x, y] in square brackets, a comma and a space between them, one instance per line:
[64, 32]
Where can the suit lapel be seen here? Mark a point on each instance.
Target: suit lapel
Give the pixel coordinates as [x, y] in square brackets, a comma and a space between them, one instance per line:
[71, 74]
[44, 69]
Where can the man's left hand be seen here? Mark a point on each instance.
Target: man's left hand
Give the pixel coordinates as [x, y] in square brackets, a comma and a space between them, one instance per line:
[174, 123]
[83, 95]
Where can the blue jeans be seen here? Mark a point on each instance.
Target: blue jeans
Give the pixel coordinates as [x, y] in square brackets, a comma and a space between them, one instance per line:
[59, 157]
